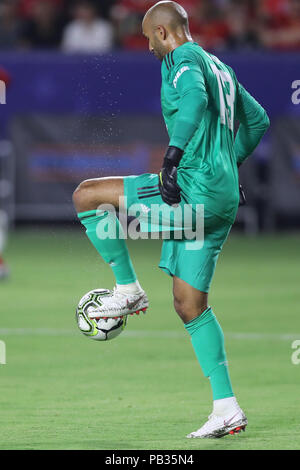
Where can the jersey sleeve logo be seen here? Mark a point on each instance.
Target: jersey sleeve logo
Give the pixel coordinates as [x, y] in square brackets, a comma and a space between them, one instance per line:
[178, 75]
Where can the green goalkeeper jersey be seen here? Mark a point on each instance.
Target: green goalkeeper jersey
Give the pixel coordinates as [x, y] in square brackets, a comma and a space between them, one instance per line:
[201, 100]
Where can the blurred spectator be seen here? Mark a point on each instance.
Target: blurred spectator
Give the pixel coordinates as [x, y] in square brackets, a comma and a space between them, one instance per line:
[25, 7]
[242, 26]
[9, 24]
[273, 8]
[43, 29]
[208, 25]
[207, 22]
[105, 7]
[96, 24]
[87, 33]
[127, 16]
[280, 26]
[5, 77]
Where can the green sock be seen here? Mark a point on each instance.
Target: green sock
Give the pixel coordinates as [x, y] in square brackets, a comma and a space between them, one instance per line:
[208, 342]
[113, 248]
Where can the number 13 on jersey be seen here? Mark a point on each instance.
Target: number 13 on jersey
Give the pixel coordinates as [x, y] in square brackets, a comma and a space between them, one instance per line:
[226, 99]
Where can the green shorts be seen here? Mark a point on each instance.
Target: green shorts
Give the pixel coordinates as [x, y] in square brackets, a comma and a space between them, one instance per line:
[192, 260]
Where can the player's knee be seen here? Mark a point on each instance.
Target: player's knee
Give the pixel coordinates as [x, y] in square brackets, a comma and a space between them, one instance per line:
[183, 309]
[188, 310]
[83, 196]
[79, 196]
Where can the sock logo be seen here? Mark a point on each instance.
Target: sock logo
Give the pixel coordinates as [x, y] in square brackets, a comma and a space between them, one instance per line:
[224, 363]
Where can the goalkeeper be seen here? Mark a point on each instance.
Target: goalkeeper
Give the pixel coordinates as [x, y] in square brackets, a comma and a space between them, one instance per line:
[201, 100]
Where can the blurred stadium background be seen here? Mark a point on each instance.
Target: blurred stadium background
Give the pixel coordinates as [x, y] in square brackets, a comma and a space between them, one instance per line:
[83, 100]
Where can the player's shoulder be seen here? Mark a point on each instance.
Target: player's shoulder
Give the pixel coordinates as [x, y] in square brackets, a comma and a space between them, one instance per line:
[211, 58]
[188, 54]
[190, 51]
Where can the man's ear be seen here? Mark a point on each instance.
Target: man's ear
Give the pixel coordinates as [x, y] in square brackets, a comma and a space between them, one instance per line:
[162, 32]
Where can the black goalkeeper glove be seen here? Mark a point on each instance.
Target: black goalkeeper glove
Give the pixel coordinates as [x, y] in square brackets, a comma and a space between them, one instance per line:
[169, 189]
[243, 200]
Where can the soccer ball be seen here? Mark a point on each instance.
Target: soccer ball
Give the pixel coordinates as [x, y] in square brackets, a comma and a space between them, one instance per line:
[99, 330]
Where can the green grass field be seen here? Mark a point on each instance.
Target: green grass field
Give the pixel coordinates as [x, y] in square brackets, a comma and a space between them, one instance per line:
[145, 389]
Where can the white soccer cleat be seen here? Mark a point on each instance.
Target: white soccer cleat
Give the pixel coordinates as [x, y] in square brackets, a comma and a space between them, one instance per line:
[119, 304]
[219, 426]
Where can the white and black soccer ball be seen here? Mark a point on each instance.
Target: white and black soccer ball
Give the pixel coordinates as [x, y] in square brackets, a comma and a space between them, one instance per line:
[99, 330]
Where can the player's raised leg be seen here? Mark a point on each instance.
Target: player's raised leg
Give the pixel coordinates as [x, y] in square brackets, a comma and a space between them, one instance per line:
[128, 297]
[208, 342]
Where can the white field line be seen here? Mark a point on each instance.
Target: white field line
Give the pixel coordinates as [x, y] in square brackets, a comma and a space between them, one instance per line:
[162, 334]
